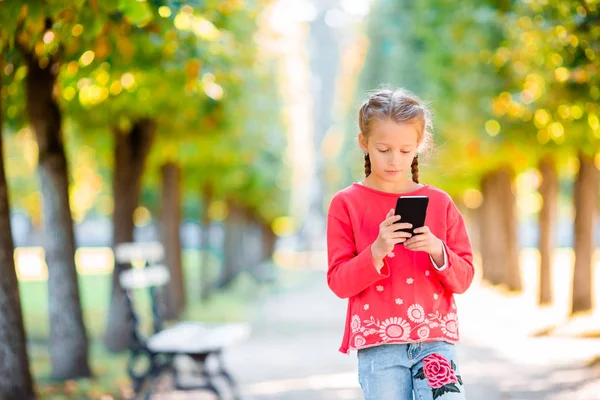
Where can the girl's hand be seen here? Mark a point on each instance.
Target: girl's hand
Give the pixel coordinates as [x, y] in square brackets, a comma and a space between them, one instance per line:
[424, 240]
[387, 238]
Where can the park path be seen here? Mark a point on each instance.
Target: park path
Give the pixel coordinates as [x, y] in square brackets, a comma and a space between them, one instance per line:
[292, 352]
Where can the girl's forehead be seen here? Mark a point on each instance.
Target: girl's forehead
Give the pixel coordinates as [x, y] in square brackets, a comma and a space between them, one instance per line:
[390, 132]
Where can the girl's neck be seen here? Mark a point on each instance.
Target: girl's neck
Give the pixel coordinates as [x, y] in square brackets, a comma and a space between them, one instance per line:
[403, 186]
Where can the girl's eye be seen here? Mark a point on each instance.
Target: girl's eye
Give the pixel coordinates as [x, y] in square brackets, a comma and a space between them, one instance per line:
[383, 151]
[406, 152]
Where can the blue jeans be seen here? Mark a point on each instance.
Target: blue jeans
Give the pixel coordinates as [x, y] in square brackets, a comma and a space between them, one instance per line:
[395, 371]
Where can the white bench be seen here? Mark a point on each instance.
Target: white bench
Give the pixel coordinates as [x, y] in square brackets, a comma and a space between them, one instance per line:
[198, 341]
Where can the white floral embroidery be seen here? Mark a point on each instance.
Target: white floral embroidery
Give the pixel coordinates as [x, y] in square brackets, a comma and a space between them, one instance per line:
[399, 301]
[366, 307]
[427, 273]
[423, 332]
[410, 281]
[435, 296]
[355, 324]
[359, 341]
[380, 288]
[416, 313]
[394, 328]
[450, 326]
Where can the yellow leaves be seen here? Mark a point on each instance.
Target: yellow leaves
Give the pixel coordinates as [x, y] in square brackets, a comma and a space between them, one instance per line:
[218, 210]
[202, 28]
[556, 59]
[501, 104]
[557, 131]
[541, 118]
[69, 93]
[590, 54]
[593, 121]
[128, 81]
[561, 74]
[87, 58]
[564, 111]
[92, 95]
[492, 127]
[115, 88]
[472, 198]
[141, 216]
[77, 30]
[283, 226]
[501, 57]
[164, 11]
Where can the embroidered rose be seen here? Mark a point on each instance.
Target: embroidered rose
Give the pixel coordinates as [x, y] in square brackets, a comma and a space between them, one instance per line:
[440, 375]
[399, 301]
[438, 371]
[410, 281]
[366, 307]
[380, 288]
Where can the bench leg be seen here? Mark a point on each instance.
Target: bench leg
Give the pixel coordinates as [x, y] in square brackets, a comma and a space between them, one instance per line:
[223, 372]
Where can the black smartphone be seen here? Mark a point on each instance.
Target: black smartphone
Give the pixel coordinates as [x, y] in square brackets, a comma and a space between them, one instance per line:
[412, 209]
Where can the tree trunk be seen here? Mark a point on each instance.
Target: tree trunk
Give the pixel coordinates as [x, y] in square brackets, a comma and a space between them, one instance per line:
[586, 197]
[234, 245]
[547, 223]
[15, 375]
[509, 219]
[490, 230]
[171, 220]
[205, 280]
[68, 337]
[131, 149]
[268, 242]
[498, 231]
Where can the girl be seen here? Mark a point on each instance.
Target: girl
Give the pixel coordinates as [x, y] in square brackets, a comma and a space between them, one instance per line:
[401, 314]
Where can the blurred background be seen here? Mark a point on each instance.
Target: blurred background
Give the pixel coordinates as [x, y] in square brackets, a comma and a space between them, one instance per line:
[219, 131]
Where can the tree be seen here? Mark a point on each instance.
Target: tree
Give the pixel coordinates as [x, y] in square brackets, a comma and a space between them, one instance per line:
[550, 55]
[15, 375]
[32, 27]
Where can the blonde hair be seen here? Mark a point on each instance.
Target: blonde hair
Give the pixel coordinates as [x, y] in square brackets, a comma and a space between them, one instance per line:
[402, 107]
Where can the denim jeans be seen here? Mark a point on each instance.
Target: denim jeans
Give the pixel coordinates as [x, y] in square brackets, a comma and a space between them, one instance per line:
[396, 371]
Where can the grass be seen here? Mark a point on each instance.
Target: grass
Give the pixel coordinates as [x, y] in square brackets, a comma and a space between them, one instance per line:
[110, 378]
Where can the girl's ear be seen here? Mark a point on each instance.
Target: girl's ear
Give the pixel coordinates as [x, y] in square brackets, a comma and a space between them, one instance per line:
[362, 142]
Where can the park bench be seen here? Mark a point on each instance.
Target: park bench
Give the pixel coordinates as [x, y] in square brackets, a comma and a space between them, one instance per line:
[203, 343]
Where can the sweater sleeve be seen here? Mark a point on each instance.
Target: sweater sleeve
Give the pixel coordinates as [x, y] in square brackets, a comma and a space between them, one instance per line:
[459, 271]
[349, 272]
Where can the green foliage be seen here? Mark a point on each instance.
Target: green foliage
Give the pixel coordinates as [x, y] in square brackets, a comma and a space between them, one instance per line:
[550, 55]
[193, 66]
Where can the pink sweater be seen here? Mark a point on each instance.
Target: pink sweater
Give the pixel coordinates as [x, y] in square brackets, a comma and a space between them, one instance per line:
[411, 300]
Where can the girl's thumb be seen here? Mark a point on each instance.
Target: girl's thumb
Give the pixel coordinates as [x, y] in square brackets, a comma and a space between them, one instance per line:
[390, 213]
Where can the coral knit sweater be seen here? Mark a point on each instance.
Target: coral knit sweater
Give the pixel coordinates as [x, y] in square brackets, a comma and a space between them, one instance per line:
[411, 299]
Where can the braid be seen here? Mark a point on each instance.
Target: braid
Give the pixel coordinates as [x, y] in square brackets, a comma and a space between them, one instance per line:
[367, 165]
[414, 167]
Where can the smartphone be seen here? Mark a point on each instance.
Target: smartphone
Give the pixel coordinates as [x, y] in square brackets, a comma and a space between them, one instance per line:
[412, 209]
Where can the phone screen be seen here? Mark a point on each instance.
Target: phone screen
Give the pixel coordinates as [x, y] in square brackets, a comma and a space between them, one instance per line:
[412, 209]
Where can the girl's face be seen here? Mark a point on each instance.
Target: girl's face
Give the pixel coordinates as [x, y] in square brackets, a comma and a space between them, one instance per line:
[392, 148]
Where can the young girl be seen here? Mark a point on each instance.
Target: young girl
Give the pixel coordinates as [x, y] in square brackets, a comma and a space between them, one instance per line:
[401, 314]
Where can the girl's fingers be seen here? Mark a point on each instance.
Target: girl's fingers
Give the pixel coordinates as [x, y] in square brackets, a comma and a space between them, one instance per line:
[422, 229]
